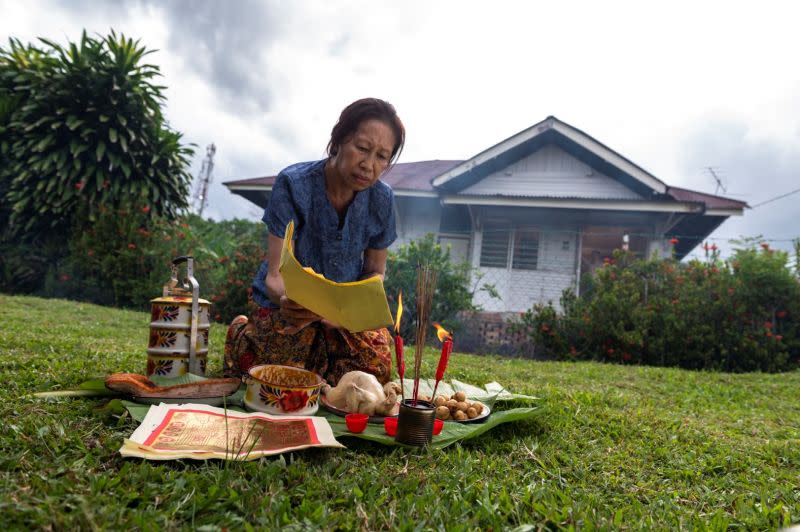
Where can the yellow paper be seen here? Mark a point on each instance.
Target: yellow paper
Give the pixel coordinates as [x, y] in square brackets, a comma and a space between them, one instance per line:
[356, 306]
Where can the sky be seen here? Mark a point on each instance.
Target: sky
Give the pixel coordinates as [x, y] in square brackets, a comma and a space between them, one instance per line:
[677, 87]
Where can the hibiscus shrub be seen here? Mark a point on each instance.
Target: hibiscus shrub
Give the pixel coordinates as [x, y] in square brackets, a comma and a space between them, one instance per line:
[123, 259]
[740, 314]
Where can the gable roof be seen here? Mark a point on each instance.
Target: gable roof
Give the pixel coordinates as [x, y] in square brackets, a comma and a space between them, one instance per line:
[406, 179]
[451, 179]
[570, 139]
[415, 179]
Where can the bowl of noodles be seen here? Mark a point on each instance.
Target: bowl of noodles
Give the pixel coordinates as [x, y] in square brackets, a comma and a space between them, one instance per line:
[282, 390]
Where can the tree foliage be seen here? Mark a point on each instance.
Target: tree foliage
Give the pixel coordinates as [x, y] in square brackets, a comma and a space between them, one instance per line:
[81, 128]
[454, 288]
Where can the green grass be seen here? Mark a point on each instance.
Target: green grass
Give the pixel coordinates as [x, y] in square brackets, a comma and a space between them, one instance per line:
[618, 447]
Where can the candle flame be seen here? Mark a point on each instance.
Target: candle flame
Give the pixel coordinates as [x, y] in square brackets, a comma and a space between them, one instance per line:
[399, 312]
[441, 332]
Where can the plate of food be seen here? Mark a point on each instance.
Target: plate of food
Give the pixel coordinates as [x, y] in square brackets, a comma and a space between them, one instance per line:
[360, 392]
[374, 418]
[459, 408]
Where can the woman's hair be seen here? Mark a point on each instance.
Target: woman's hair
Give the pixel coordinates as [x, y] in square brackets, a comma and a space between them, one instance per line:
[360, 111]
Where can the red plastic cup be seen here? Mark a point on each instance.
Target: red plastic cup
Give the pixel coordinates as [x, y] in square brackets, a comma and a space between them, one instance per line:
[390, 425]
[438, 424]
[356, 422]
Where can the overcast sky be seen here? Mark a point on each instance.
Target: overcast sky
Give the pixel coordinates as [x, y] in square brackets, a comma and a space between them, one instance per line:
[674, 86]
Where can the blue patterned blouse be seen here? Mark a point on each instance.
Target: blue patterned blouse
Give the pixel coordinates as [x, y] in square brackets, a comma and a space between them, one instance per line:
[336, 252]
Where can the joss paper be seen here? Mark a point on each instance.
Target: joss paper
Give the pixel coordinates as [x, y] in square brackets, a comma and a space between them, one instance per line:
[356, 306]
[201, 432]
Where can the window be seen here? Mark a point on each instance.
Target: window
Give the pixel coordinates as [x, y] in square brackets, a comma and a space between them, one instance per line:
[526, 249]
[494, 244]
[501, 242]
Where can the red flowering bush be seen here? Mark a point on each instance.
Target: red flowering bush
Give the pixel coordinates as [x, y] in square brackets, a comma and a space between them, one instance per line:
[123, 259]
[742, 314]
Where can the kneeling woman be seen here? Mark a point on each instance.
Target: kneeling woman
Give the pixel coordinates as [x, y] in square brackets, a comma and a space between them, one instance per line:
[344, 223]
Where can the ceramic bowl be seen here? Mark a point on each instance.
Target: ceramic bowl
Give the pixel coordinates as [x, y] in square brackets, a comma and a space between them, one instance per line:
[282, 390]
[172, 365]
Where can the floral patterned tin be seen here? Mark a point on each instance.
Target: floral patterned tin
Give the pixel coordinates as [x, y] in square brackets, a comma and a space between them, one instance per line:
[174, 365]
[165, 341]
[282, 390]
[170, 335]
[176, 311]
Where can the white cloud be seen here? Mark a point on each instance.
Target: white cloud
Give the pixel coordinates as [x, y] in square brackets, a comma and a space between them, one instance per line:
[673, 86]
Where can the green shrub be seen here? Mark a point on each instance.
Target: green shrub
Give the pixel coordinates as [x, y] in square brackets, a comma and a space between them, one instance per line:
[742, 314]
[454, 287]
[123, 260]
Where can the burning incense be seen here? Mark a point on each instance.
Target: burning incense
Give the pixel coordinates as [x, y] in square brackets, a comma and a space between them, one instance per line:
[447, 347]
[426, 285]
[398, 345]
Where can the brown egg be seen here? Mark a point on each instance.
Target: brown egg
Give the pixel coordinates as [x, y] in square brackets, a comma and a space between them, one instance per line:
[478, 406]
[460, 416]
[442, 412]
[460, 396]
[451, 404]
[472, 413]
[440, 400]
[462, 406]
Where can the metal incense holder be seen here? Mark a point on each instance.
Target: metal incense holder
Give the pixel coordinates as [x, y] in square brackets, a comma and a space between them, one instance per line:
[415, 423]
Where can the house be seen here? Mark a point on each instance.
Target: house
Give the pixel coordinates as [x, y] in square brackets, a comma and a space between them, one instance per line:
[537, 210]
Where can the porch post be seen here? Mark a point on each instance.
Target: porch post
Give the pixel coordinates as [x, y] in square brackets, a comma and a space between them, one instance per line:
[578, 253]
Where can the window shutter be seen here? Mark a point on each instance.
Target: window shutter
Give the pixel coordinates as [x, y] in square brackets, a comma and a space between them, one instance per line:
[526, 249]
[494, 244]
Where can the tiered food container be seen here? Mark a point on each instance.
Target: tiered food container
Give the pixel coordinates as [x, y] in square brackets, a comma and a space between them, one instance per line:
[179, 325]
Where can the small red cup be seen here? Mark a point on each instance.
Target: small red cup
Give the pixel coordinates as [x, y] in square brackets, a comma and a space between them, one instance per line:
[356, 422]
[438, 424]
[390, 425]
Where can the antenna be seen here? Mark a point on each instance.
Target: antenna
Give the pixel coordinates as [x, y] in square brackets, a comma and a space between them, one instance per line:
[200, 196]
[717, 179]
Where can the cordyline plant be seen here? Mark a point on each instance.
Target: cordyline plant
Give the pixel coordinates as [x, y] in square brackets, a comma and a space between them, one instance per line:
[81, 128]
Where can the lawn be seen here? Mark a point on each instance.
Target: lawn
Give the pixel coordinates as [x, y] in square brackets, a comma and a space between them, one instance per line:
[616, 447]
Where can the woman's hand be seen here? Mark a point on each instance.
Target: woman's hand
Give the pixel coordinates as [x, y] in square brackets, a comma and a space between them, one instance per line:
[296, 316]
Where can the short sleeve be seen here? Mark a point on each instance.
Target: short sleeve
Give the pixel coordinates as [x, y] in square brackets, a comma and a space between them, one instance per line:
[386, 227]
[281, 208]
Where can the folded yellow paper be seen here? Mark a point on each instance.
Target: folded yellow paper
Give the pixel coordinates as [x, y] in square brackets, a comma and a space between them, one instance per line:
[356, 306]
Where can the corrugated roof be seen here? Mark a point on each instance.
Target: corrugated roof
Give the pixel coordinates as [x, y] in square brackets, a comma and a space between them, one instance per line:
[711, 201]
[417, 177]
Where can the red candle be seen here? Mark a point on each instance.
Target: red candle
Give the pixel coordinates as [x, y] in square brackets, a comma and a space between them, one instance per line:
[447, 347]
[398, 345]
[401, 365]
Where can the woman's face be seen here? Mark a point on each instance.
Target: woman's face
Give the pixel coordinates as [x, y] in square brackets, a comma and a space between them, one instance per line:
[362, 158]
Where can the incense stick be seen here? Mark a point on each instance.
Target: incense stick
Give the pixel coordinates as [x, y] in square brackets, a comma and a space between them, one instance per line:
[426, 285]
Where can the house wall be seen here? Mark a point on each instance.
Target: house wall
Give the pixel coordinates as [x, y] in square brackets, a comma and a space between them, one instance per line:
[415, 217]
[521, 289]
[660, 248]
[551, 172]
